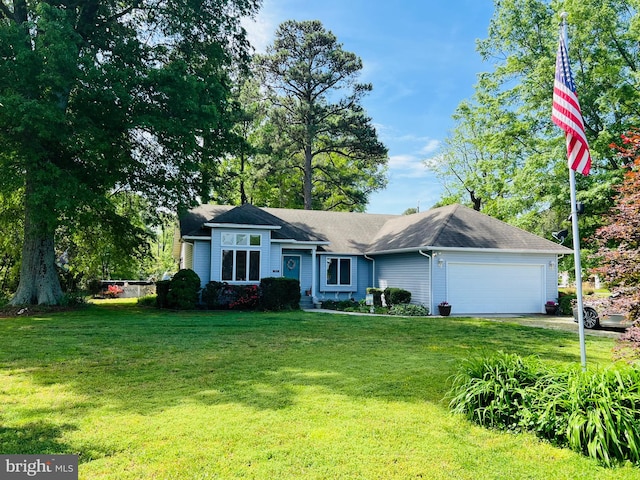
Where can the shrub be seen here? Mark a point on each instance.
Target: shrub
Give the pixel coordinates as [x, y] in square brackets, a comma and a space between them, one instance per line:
[214, 295]
[73, 299]
[162, 291]
[603, 414]
[394, 296]
[409, 310]
[377, 296]
[280, 293]
[94, 286]
[492, 391]
[148, 301]
[595, 412]
[183, 290]
[565, 303]
[247, 297]
[341, 305]
[113, 291]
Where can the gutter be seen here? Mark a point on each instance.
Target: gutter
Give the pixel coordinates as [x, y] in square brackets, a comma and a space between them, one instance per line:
[430, 257]
[373, 274]
[464, 249]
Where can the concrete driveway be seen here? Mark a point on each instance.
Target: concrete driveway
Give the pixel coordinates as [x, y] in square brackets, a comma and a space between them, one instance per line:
[554, 323]
[536, 321]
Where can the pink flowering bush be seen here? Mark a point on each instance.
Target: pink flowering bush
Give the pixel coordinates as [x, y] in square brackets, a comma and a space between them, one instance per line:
[113, 291]
[247, 298]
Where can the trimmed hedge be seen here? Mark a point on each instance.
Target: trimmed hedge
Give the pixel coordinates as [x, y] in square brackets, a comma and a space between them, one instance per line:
[377, 296]
[280, 293]
[395, 296]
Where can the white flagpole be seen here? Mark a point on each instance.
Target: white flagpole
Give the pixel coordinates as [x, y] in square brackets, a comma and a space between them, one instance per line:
[576, 238]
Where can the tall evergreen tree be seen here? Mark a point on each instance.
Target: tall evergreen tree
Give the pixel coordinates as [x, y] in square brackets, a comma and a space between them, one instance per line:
[321, 129]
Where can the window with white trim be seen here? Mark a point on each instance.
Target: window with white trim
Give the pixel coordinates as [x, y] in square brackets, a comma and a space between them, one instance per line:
[241, 239]
[338, 271]
[240, 264]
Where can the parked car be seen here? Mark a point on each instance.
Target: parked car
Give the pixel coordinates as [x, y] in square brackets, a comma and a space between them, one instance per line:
[592, 319]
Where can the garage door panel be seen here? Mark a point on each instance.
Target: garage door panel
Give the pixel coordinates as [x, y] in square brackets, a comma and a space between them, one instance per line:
[495, 288]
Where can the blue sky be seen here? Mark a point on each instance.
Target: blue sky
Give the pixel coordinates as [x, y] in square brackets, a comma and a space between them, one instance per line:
[420, 57]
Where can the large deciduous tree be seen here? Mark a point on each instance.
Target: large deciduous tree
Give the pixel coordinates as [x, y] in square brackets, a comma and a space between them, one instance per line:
[320, 126]
[512, 103]
[101, 95]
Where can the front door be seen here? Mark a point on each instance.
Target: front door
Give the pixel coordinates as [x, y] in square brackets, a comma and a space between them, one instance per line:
[291, 266]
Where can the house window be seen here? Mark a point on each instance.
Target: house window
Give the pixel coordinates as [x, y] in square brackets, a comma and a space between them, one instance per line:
[240, 265]
[241, 239]
[339, 271]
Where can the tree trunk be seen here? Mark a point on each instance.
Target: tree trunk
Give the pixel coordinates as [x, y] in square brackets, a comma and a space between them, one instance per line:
[39, 282]
[307, 187]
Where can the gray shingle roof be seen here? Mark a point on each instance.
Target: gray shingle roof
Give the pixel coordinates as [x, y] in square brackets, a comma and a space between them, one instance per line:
[453, 226]
[456, 226]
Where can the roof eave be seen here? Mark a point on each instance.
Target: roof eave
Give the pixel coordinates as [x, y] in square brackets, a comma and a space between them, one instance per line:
[242, 225]
[470, 249]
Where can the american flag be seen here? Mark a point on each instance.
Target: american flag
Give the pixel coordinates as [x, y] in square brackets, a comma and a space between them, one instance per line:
[567, 115]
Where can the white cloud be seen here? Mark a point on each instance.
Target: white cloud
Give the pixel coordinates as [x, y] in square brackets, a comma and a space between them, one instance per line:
[402, 166]
[431, 146]
[260, 29]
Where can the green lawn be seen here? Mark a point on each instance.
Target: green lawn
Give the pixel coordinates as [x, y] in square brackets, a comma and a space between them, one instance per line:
[144, 394]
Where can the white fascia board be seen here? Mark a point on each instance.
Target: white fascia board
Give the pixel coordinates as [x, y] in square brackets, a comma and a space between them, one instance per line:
[463, 249]
[194, 237]
[242, 225]
[298, 242]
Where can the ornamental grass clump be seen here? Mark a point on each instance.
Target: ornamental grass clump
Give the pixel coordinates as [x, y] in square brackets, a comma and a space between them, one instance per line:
[603, 414]
[493, 390]
[596, 413]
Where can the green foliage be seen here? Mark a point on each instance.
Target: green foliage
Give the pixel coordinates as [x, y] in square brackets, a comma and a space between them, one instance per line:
[504, 157]
[318, 124]
[377, 295]
[183, 290]
[148, 301]
[343, 305]
[108, 98]
[394, 296]
[73, 299]
[212, 295]
[280, 293]
[162, 292]
[565, 303]
[409, 310]
[494, 390]
[595, 413]
[221, 295]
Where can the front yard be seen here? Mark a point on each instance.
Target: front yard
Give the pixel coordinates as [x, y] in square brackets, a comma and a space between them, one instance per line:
[142, 394]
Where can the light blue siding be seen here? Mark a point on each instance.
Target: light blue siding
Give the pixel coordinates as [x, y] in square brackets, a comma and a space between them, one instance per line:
[409, 271]
[202, 260]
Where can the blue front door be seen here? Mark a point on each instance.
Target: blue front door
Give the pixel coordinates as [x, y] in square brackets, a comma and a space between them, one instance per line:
[291, 266]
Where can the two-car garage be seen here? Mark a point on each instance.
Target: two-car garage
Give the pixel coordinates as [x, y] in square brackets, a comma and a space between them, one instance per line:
[479, 288]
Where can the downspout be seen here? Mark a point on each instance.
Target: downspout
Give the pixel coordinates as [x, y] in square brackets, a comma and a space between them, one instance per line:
[313, 273]
[373, 270]
[430, 278]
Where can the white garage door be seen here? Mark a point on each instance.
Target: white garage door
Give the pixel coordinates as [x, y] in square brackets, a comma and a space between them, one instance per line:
[495, 288]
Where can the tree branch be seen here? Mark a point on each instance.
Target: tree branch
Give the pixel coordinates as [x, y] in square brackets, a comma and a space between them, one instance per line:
[5, 12]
